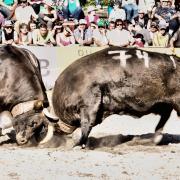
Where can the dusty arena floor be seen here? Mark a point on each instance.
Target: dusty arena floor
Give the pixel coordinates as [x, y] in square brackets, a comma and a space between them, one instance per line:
[110, 155]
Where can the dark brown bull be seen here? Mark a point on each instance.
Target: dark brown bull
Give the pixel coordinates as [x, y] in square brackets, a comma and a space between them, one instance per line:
[22, 92]
[117, 81]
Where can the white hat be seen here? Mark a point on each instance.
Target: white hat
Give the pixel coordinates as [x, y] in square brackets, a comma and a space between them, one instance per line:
[8, 23]
[82, 21]
[49, 2]
[90, 8]
[141, 11]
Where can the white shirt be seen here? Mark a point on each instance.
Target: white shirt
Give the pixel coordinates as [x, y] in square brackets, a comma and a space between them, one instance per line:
[23, 14]
[117, 14]
[118, 37]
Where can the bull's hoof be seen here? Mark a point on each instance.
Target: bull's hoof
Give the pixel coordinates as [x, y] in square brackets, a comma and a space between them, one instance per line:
[79, 147]
[158, 138]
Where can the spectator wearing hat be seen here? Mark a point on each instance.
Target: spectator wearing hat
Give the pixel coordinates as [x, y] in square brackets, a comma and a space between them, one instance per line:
[24, 37]
[91, 16]
[120, 36]
[161, 38]
[117, 13]
[83, 35]
[7, 8]
[167, 15]
[24, 13]
[141, 18]
[9, 36]
[43, 37]
[99, 35]
[72, 9]
[65, 38]
[48, 14]
[152, 30]
[131, 8]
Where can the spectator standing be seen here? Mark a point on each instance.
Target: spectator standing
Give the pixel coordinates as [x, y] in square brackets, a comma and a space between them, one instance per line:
[120, 36]
[43, 37]
[7, 8]
[72, 9]
[65, 38]
[161, 38]
[24, 13]
[99, 35]
[24, 37]
[48, 14]
[36, 4]
[9, 36]
[91, 16]
[117, 13]
[83, 35]
[131, 9]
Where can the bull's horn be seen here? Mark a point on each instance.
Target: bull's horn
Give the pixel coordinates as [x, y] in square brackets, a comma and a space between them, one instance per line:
[38, 105]
[50, 115]
[49, 135]
[5, 120]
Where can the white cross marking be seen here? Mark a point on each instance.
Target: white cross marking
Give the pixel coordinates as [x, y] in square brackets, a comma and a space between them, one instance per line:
[122, 56]
[144, 55]
[174, 63]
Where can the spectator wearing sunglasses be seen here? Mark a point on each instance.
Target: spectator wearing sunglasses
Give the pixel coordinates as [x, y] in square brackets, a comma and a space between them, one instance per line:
[9, 36]
[120, 36]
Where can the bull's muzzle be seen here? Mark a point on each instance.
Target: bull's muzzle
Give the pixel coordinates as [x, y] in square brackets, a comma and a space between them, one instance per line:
[21, 139]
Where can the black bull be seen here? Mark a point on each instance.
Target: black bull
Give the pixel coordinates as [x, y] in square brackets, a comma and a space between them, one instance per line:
[117, 81]
[22, 92]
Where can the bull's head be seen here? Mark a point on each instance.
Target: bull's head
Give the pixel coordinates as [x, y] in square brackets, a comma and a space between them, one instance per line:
[31, 123]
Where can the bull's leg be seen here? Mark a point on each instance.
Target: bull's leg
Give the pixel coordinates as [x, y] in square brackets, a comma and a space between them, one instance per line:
[89, 118]
[165, 114]
[86, 127]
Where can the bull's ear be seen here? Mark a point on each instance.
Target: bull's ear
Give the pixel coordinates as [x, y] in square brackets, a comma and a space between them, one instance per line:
[38, 105]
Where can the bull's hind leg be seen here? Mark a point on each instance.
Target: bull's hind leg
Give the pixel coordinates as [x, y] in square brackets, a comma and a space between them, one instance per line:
[165, 114]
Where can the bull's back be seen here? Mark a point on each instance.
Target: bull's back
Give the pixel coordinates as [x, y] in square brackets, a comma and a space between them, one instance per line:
[125, 72]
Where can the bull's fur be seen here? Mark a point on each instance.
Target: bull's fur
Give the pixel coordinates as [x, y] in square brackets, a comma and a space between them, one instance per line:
[96, 86]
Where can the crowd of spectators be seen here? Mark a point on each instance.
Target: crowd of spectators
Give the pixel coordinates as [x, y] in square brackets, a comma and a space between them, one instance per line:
[130, 23]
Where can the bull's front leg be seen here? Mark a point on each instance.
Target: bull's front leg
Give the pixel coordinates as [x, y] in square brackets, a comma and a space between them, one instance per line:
[89, 116]
[86, 126]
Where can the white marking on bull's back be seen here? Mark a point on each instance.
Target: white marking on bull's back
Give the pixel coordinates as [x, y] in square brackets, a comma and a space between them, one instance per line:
[122, 57]
[174, 63]
[143, 55]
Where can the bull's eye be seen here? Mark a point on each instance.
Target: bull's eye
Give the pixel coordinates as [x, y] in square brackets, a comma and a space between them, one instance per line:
[33, 124]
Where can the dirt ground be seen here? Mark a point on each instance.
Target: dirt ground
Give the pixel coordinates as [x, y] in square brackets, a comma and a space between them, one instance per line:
[118, 149]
